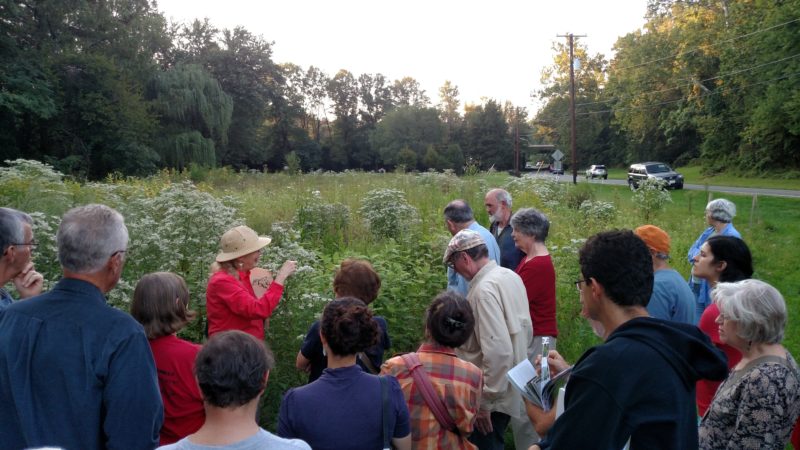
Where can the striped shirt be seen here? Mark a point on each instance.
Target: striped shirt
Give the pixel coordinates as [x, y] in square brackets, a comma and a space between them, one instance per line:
[457, 382]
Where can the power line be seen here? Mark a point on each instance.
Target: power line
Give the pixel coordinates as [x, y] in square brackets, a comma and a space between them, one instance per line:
[714, 44]
[692, 81]
[703, 95]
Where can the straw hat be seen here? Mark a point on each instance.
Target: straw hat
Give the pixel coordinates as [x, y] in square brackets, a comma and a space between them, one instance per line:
[240, 241]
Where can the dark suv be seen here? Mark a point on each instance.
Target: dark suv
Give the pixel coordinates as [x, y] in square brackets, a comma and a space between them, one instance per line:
[641, 171]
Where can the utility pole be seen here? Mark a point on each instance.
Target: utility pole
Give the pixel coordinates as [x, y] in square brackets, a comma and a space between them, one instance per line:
[572, 104]
[516, 147]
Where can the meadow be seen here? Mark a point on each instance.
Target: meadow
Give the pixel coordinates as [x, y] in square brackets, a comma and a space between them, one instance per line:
[395, 220]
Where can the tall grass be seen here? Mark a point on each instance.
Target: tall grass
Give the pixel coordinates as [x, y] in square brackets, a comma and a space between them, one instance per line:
[176, 219]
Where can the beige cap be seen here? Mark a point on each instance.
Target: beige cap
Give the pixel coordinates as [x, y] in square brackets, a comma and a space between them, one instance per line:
[463, 240]
[240, 241]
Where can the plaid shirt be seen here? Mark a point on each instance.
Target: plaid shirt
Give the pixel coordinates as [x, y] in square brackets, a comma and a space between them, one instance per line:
[458, 382]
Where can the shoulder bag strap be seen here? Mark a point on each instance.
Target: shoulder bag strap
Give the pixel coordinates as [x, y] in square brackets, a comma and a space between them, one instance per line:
[367, 362]
[385, 407]
[425, 387]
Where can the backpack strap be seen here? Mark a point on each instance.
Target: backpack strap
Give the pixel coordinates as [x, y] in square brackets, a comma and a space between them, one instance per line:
[423, 383]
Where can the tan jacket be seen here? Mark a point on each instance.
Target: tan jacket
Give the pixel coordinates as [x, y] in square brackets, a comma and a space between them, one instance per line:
[503, 334]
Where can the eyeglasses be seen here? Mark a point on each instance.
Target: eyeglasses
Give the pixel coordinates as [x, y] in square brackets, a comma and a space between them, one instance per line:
[578, 284]
[451, 263]
[117, 253]
[31, 244]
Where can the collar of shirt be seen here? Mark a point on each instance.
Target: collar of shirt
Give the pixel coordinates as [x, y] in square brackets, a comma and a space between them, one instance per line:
[432, 347]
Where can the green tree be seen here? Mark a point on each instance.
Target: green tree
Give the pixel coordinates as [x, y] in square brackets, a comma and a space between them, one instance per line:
[406, 127]
[486, 136]
[407, 92]
[192, 107]
[449, 105]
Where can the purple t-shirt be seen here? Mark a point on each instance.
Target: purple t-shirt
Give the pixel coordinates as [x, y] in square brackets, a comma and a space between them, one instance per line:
[343, 410]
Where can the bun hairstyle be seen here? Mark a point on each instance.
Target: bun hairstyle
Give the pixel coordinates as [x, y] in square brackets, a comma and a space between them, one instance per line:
[449, 319]
[348, 327]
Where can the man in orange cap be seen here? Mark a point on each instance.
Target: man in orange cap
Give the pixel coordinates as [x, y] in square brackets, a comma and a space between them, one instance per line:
[672, 299]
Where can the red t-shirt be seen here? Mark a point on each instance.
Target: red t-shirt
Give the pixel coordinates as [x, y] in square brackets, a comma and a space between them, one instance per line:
[539, 277]
[231, 304]
[707, 388]
[183, 404]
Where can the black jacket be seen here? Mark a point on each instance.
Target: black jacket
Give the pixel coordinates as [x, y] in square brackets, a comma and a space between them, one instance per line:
[640, 384]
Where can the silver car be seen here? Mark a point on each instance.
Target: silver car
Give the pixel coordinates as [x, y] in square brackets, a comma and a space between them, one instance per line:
[597, 171]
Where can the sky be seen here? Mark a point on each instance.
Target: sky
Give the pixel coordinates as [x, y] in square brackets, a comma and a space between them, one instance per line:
[488, 49]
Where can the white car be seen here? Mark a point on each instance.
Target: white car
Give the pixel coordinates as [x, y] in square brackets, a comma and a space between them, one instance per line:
[597, 171]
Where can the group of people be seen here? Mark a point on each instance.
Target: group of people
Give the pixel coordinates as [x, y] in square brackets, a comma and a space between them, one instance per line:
[675, 354]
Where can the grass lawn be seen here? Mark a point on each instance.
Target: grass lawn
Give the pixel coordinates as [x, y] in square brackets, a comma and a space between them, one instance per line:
[692, 175]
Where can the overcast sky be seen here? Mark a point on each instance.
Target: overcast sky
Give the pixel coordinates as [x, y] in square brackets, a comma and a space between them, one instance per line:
[488, 49]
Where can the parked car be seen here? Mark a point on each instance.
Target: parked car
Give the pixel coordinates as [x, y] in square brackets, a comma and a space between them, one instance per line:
[556, 170]
[597, 171]
[537, 166]
[640, 171]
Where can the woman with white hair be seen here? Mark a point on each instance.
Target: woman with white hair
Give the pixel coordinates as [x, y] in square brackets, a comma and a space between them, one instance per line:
[758, 404]
[530, 230]
[719, 215]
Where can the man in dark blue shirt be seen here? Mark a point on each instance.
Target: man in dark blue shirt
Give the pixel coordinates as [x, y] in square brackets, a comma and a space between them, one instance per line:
[498, 206]
[75, 372]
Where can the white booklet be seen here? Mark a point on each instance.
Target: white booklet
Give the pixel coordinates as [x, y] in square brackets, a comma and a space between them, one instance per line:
[524, 377]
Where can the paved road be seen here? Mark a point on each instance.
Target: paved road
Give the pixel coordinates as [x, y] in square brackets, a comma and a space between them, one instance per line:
[694, 187]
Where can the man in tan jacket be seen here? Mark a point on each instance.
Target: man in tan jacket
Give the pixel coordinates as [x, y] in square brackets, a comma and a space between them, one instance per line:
[503, 336]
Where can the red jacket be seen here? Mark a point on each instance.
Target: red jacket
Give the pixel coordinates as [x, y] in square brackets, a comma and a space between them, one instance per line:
[231, 304]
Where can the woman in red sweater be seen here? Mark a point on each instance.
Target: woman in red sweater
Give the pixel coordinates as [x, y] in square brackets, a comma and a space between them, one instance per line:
[530, 229]
[161, 305]
[231, 302]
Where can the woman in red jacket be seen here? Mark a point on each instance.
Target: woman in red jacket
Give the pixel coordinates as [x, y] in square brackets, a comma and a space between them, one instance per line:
[231, 302]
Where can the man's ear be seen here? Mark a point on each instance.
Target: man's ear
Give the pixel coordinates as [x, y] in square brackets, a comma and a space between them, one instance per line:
[598, 290]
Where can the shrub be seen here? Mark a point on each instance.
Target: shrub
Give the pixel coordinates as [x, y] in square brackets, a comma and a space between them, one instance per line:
[598, 212]
[577, 194]
[650, 197]
[323, 224]
[388, 214]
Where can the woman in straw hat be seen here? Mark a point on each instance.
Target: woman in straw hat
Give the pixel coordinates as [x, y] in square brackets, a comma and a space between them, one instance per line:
[231, 302]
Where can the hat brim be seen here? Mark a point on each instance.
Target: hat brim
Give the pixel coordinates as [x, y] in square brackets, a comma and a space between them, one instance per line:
[262, 242]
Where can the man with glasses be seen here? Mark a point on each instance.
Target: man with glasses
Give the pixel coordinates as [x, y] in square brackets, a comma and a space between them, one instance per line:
[16, 244]
[74, 371]
[459, 216]
[639, 386]
[503, 334]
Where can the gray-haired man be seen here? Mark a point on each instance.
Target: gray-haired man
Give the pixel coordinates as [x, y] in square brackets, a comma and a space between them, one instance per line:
[75, 372]
[503, 334]
[16, 245]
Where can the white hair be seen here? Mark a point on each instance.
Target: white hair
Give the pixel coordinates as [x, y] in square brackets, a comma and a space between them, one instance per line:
[721, 209]
[758, 309]
[88, 236]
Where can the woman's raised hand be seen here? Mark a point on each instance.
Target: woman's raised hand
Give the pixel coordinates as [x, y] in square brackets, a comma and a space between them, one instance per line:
[287, 269]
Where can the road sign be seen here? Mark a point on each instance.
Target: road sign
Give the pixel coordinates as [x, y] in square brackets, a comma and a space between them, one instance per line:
[557, 155]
